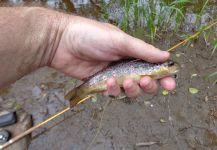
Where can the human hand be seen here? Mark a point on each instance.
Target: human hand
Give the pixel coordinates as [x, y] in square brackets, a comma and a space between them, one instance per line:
[87, 46]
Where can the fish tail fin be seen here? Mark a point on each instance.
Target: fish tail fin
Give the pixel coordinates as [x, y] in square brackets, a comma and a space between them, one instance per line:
[76, 96]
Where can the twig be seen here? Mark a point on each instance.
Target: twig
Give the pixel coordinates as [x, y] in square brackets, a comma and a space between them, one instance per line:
[142, 144]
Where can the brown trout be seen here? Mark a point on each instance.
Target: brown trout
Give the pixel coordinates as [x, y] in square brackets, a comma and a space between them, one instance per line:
[121, 70]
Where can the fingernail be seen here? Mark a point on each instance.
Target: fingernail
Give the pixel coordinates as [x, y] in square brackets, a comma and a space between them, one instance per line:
[145, 81]
[129, 85]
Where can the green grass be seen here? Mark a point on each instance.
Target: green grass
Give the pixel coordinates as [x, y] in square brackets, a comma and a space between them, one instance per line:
[214, 74]
[177, 11]
[159, 14]
[202, 10]
[214, 46]
[125, 22]
[156, 16]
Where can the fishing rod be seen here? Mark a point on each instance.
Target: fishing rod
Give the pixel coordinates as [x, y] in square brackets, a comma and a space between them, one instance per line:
[30, 130]
[192, 36]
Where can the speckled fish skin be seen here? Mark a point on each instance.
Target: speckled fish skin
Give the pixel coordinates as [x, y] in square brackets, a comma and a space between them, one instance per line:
[124, 68]
[121, 70]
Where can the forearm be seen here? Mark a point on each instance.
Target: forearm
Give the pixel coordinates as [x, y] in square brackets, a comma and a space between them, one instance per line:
[28, 40]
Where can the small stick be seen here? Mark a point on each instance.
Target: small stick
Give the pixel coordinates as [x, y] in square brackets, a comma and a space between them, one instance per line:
[146, 144]
[191, 37]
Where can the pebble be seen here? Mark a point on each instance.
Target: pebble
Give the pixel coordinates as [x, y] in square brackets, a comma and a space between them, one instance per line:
[36, 91]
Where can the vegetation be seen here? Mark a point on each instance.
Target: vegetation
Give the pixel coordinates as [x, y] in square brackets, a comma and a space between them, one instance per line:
[214, 74]
[155, 16]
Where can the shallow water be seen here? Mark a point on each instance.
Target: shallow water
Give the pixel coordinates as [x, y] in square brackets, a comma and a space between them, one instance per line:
[180, 120]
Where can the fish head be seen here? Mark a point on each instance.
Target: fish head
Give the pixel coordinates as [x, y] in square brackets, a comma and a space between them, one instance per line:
[167, 68]
[171, 66]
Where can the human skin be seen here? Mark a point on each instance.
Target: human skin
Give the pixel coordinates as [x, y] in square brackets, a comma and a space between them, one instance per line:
[34, 37]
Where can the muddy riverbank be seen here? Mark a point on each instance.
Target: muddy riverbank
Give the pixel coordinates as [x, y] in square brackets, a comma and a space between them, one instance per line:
[180, 120]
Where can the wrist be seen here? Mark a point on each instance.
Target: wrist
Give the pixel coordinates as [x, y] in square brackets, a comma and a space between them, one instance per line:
[28, 40]
[47, 28]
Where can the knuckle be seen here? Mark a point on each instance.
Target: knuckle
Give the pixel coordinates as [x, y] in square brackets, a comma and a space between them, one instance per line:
[119, 40]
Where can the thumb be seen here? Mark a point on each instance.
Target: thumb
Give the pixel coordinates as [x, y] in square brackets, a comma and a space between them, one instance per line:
[133, 47]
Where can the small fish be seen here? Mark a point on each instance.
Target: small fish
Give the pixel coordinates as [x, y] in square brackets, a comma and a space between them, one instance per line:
[121, 70]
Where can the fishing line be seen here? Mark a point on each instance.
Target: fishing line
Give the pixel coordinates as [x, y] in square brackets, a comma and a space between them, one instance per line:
[20, 136]
[100, 125]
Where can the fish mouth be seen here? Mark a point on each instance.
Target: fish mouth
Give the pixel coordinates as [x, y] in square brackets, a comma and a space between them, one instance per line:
[170, 62]
[173, 69]
[168, 68]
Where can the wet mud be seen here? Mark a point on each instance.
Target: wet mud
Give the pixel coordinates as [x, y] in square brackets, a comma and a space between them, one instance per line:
[180, 120]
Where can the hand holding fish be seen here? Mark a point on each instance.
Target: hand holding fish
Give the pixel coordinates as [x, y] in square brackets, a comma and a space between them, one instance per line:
[87, 46]
[36, 37]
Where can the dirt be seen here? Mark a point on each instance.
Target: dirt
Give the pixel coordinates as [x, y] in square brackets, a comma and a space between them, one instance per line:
[180, 120]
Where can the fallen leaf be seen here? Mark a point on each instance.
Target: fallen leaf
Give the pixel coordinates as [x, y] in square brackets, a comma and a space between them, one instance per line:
[72, 81]
[193, 90]
[94, 99]
[165, 92]
[206, 99]
[178, 55]
[193, 75]
[162, 121]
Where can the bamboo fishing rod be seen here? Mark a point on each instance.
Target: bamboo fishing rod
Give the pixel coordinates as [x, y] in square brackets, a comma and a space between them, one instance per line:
[30, 130]
[192, 36]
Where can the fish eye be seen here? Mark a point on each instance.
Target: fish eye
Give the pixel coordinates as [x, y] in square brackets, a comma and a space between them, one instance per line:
[170, 63]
